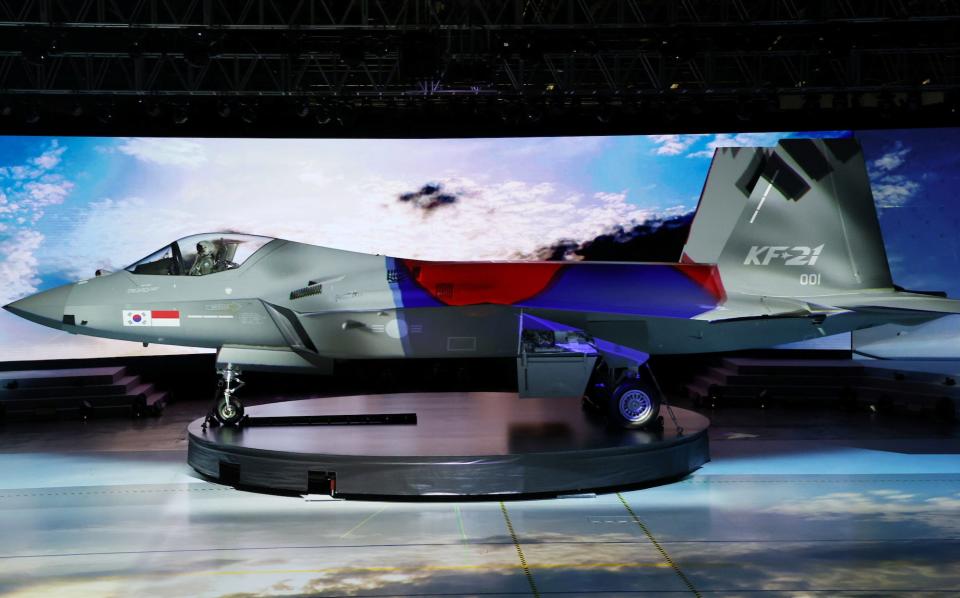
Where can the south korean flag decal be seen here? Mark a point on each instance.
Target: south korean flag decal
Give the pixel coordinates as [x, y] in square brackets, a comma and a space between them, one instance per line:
[136, 317]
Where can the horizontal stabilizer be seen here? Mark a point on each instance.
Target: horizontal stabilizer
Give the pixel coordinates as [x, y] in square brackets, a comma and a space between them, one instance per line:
[905, 302]
[761, 308]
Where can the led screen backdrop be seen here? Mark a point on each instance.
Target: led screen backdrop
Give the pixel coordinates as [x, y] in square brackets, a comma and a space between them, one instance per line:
[71, 205]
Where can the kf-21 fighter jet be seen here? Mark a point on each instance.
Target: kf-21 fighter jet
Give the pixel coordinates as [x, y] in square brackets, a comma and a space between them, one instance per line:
[785, 246]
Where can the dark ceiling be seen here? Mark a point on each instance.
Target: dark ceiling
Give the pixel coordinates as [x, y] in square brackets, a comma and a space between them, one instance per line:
[459, 67]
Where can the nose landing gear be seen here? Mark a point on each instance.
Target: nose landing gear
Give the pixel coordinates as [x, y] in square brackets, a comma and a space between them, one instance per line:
[227, 409]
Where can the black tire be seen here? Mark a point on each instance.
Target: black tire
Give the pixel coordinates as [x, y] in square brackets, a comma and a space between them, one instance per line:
[634, 404]
[228, 415]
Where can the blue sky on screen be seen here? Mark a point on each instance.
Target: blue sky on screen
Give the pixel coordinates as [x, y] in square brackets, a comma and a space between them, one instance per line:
[71, 205]
[915, 175]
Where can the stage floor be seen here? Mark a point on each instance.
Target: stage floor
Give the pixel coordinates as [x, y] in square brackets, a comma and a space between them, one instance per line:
[491, 444]
[823, 503]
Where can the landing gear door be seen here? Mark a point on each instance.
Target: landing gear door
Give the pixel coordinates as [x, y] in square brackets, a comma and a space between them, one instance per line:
[554, 363]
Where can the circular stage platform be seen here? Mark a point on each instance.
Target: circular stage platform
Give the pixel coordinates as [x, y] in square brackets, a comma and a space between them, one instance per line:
[462, 444]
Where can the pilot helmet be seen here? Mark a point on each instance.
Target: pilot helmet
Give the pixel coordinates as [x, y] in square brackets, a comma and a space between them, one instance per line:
[206, 248]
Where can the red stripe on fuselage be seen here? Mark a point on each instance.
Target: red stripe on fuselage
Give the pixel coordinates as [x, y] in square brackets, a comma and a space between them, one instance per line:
[165, 313]
[471, 283]
[707, 276]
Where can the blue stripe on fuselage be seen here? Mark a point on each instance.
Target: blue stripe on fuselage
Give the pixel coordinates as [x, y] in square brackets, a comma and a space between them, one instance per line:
[657, 290]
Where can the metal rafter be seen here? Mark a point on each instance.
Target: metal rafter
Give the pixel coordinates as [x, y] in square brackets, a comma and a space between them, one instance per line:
[461, 14]
[379, 54]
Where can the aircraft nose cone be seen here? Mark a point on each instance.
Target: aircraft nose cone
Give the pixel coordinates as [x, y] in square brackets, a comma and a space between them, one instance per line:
[43, 308]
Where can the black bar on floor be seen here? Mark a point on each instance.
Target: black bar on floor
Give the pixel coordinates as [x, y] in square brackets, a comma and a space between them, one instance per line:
[359, 419]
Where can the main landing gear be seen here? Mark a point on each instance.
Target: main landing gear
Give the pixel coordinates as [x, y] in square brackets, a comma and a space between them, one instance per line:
[629, 398]
[227, 409]
[634, 404]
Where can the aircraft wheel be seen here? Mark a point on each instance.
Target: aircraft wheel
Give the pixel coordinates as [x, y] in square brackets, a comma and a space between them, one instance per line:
[634, 404]
[229, 413]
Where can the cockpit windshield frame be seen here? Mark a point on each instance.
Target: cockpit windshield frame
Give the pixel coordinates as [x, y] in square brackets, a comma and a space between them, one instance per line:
[200, 255]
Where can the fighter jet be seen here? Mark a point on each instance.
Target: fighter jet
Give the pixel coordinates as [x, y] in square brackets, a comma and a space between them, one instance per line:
[785, 246]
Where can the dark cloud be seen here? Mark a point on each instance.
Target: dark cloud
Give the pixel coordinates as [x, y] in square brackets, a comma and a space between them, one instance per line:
[659, 240]
[429, 197]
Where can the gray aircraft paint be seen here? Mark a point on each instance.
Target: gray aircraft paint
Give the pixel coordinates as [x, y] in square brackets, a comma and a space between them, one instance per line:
[793, 230]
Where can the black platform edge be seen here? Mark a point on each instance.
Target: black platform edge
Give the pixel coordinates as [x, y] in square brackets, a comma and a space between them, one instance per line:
[445, 478]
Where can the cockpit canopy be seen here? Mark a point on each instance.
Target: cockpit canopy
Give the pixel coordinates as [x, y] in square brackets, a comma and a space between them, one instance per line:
[199, 255]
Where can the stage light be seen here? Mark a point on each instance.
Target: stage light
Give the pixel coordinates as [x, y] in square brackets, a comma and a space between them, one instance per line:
[885, 105]
[695, 107]
[631, 108]
[951, 100]
[133, 41]
[224, 109]
[533, 113]
[76, 110]
[293, 44]
[303, 109]
[179, 115]
[37, 46]
[678, 48]
[839, 101]
[322, 115]
[837, 43]
[584, 44]
[200, 48]
[248, 113]
[811, 104]
[529, 48]
[135, 49]
[556, 108]
[351, 52]
[379, 47]
[420, 55]
[668, 110]
[345, 115]
[771, 103]
[743, 111]
[151, 109]
[105, 113]
[913, 102]
[605, 113]
[31, 114]
[508, 112]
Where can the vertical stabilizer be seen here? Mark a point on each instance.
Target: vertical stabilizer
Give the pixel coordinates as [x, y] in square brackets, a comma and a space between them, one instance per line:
[795, 220]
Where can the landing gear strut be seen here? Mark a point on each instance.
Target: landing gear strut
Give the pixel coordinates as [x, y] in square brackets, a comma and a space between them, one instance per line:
[227, 409]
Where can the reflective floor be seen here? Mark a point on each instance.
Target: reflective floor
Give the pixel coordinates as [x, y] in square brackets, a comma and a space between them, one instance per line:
[793, 504]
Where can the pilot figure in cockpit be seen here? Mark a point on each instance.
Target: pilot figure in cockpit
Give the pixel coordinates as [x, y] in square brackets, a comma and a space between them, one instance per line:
[206, 262]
